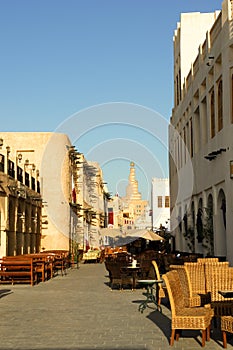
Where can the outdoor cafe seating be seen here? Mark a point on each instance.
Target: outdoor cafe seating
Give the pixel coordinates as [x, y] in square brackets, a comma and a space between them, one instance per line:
[200, 292]
[33, 268]
[183, 317]
[206, 283]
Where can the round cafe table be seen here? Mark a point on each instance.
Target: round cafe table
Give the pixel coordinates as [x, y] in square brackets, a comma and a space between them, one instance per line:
[151, 294]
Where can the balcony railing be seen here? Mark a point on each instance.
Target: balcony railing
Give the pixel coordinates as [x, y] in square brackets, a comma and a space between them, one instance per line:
[2, 159]
[27, 179]
[33, 183]
[19, 174]
[38, 186]
[11, 168]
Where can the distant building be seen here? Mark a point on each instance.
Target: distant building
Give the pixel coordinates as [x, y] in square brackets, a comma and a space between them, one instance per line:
[115, 212]
[92, 196]
[134, 207]
[160, 203]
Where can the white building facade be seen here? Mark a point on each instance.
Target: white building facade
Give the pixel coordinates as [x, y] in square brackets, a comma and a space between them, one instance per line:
[160, 203]
[201, 133]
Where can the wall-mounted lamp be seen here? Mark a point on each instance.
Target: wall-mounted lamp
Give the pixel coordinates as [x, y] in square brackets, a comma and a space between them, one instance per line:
[8, 150]
[32, 165]
[19, 157]
[231, 169]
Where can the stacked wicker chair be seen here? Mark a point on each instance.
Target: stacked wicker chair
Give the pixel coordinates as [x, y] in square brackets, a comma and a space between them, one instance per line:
[182, 317]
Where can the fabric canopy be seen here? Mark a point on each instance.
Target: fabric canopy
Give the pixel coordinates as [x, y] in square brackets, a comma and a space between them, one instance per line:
[122, 236]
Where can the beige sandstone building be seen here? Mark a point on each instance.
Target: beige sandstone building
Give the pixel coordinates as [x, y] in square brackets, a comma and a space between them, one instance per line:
[201, 142]
[51, 196]
[131, 211]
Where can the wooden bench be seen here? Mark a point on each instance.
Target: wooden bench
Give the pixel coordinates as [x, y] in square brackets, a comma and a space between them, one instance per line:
[61, 260]
[44, 265]
[18, 270]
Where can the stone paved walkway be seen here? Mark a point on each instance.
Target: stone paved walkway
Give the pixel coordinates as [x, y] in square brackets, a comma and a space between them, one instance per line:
[80, 312]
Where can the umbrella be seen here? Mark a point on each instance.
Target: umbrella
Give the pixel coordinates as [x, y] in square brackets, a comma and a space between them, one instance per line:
[123, 236]
[147, 234]
[112, 232]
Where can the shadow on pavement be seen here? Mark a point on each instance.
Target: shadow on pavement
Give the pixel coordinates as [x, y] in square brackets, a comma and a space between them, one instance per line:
[5, 292]
[78, 348]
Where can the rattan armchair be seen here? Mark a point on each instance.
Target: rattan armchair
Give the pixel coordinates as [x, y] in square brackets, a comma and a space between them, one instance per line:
[195, 318]
[226, 327]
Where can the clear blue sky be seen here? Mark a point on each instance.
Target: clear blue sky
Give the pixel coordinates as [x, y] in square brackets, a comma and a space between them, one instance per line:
[59, 57]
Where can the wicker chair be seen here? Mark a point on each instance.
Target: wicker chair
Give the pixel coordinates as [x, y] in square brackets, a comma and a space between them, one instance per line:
[226, 326]
[204, 260]
[118, 275]
[191, 299]
[197, 277]
[196, 273]
[210, 269]
[222, 279]
[182, 317]
[161, 292]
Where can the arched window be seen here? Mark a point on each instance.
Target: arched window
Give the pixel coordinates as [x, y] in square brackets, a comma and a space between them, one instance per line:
[191, 138]
[199, 222]
[212, 115]
[220, 106]
[209, 224]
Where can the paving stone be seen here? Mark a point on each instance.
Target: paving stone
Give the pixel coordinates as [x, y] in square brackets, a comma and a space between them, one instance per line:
[80, 312]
